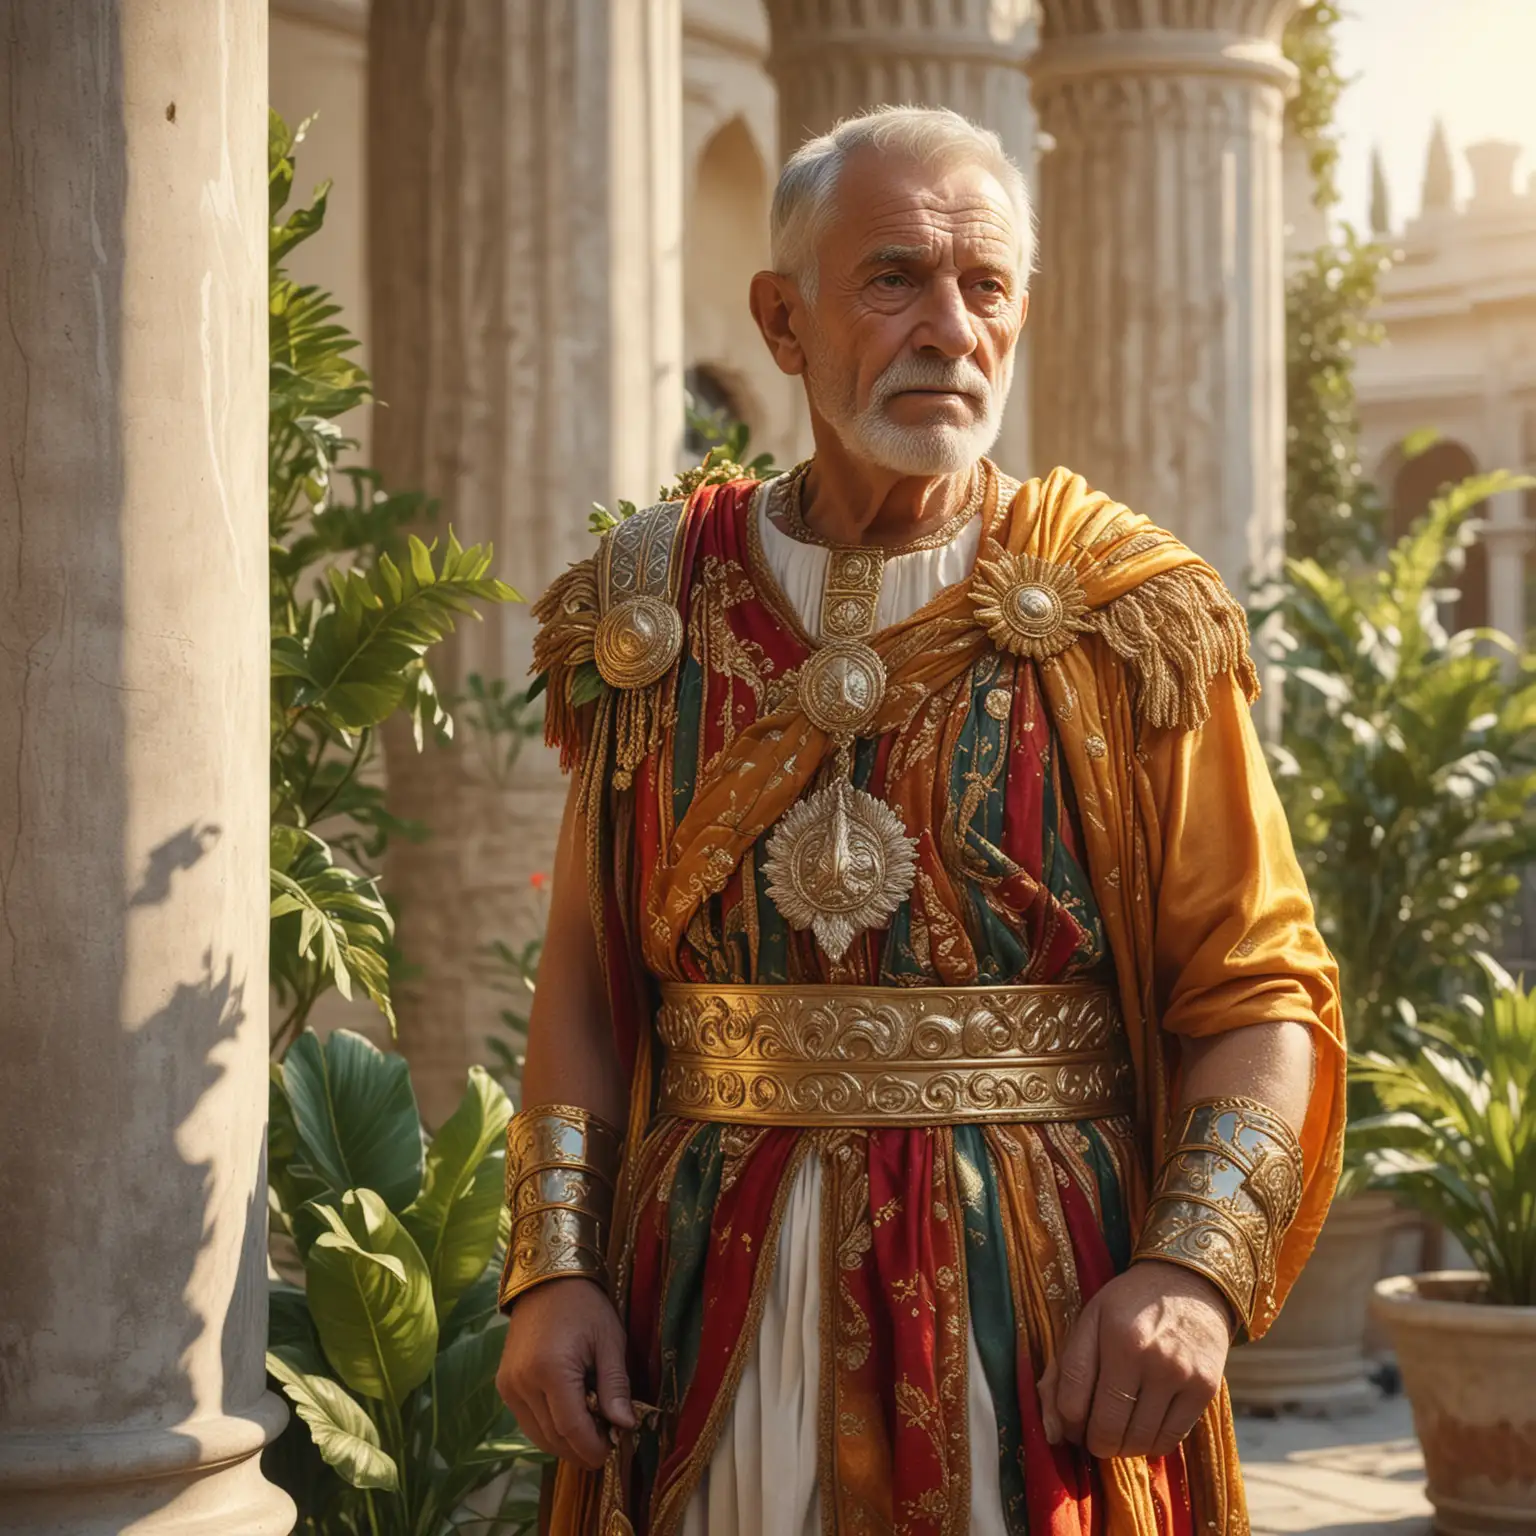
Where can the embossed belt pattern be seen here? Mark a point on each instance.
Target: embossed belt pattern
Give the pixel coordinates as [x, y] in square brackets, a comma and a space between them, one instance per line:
[834, 1055]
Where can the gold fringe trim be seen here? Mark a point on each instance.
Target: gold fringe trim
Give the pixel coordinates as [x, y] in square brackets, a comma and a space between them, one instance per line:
[567, 615]
[641, 718]
[1179, 631]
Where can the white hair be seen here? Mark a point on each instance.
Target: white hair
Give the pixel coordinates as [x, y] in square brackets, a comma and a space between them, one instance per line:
[933, 136]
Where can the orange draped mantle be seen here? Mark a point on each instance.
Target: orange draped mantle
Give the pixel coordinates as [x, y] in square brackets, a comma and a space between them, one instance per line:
[1205, 908]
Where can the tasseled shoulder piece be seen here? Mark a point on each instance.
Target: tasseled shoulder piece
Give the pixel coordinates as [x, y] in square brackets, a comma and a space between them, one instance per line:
[567, 615]
[609, 639]
[1178, 631]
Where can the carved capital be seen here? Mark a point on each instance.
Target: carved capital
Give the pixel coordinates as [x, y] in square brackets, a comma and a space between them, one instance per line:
[1258, 19]
[1234, 38]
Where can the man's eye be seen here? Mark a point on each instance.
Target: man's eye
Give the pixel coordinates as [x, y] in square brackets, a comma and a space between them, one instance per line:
[891, 280]
[991, 285]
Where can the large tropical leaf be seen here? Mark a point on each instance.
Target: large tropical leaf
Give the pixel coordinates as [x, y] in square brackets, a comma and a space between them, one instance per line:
[343, 1433]
[478, 1307]
[371, 1298]
[355, 1115]
[291, 1180]
[352, 664]
[469, 1418]
[291, 1329]
[469, 1409]
[454, 1219]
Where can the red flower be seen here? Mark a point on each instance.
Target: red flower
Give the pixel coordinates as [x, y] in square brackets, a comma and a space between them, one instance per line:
[538, 879]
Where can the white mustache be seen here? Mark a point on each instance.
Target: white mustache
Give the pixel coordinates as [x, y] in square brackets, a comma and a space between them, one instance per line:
[957, 374]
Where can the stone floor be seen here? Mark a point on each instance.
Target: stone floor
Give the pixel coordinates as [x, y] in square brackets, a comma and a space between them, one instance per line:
[1360, 1475]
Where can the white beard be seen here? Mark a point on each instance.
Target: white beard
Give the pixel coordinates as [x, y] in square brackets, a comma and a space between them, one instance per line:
[939, 449]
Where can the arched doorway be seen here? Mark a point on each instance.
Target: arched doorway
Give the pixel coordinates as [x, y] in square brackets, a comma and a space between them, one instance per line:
[712, 403]
[1415, 485]
[725, 242]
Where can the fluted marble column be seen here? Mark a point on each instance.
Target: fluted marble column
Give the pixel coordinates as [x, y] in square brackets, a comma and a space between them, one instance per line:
[1158, 317]
[832, 58]
[133, 770]
[525, 167]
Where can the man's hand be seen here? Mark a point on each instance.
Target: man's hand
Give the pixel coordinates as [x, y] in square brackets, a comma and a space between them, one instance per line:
[561, 1335]
[1140, 1365]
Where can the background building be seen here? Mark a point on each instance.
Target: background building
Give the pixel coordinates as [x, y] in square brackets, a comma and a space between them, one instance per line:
[1459, 312]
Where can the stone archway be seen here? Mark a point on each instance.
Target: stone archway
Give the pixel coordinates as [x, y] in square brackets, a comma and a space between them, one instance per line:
[1413, 484]
[725, 242]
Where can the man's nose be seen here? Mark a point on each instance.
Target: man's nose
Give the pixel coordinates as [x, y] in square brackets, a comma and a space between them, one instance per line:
[946, 327]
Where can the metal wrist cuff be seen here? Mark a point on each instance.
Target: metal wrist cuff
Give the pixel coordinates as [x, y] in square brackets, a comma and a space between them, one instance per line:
[1229, 1190]
[561, 1165]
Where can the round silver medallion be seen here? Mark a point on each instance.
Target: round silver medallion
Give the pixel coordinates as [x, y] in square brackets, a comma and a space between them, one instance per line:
[841, 688]
[1033, 609]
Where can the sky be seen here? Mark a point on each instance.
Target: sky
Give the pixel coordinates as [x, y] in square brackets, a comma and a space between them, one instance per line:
[1471, 63]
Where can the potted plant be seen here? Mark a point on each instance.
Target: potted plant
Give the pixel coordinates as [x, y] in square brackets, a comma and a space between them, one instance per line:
[1407, 773]
[1457, 1141]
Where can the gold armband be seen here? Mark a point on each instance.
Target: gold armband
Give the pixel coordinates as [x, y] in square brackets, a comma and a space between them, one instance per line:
[1228, 1191]
[561, 1164]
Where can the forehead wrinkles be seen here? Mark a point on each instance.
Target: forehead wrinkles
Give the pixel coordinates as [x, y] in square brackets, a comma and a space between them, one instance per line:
[927, 221]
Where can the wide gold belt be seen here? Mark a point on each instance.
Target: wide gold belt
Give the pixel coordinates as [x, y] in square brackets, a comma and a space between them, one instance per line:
[831, 1055]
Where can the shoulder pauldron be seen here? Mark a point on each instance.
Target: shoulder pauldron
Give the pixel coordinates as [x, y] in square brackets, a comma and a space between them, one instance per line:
[610, 634]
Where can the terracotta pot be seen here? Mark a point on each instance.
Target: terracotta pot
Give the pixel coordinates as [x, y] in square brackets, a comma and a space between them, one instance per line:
[1470, 1374]
[1313, 1359]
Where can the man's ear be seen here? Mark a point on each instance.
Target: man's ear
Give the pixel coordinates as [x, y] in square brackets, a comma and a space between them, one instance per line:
[778, 309]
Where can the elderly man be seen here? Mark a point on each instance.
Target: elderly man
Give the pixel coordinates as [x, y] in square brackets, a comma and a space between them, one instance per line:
[935, 1065]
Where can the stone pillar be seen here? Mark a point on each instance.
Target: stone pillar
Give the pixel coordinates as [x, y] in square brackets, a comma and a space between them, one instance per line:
[1507, 534]
[133, 791]
[833, 58]
[1158, 319]
[525, 250]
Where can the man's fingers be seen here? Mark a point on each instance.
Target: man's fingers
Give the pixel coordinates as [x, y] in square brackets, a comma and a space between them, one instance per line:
[1050, 1418]
[1115, 1399]
[1077, 1368]
[1183, 1414]
[613, 1379]
[533, 1421]
[576, 1429]
[1147, 1419]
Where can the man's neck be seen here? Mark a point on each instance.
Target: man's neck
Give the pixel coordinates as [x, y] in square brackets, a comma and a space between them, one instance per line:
[850, 501]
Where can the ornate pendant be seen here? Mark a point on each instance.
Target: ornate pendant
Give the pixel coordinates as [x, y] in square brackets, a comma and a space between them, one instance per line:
[1029, 606]
[841, 688]
[838, 863]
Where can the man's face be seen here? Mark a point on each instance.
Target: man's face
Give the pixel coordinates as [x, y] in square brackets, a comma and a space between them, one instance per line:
[919, 303]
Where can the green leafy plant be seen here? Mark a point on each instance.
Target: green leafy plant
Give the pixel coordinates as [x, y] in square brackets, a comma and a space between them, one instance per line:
[1333, 512]
[357, 602]
[1457, 1136]
[388, 1349]
[500, 721]
[1408, 766]
[514, 971]
[1311, 44]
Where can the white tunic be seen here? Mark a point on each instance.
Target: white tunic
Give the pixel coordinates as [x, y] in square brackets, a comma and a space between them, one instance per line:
[761, 1480]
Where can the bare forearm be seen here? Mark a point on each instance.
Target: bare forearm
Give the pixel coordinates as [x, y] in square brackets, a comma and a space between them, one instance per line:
[1272, 1063]
[571, 1056]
